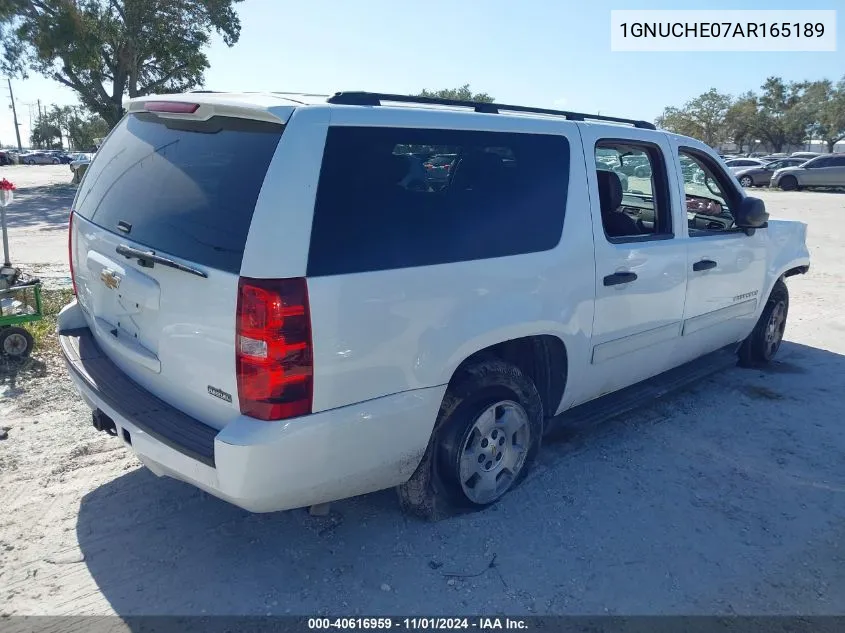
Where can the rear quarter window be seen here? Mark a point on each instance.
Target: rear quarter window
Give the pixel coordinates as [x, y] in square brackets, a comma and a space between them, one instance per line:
[186, 188]
[380, 207]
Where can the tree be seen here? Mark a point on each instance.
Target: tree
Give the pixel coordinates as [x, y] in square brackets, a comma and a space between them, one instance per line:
[106, 49]
[708, 111]
[677, 121]
[742, 121]
[782, 121]
[85, 129]
[702, 118]
[461, 94]
[45, 134]
[823, 104]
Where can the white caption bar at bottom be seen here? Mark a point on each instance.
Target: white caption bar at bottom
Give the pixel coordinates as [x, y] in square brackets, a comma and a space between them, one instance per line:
[722, 30]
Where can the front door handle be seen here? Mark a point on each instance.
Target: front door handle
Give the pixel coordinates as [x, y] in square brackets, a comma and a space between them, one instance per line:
[704, 264]
[619, 278]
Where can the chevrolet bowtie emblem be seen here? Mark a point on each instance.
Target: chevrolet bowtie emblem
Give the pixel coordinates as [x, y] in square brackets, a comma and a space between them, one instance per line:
[110, 279]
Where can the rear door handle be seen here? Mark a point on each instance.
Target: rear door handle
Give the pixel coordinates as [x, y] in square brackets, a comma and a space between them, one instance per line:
[619, 278]
[704, 264]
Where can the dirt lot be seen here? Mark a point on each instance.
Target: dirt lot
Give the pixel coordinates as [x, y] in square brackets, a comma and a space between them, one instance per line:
[38, 219]
[727, 498]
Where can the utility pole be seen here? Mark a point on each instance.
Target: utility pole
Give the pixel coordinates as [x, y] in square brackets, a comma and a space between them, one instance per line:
[39, 110]
[15, 115]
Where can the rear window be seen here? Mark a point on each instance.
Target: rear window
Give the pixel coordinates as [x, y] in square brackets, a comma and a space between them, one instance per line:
[488, 194]
[186, 188]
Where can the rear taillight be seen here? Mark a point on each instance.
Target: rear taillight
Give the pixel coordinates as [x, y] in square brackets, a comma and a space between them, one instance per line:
[273, 354]
[70, 250]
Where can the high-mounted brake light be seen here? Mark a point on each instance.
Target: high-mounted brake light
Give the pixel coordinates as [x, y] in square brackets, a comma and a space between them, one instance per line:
[70, 250]
[177, 107]
[273, 353]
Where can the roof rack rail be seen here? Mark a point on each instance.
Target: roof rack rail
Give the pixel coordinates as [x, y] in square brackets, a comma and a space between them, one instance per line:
[376, 98]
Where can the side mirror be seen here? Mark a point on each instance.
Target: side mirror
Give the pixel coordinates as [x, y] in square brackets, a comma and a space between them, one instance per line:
[751, 214]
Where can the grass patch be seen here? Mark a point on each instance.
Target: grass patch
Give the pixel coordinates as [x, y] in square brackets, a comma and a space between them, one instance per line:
[44, 331]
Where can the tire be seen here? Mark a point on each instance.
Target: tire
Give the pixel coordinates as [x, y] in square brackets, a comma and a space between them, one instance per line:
[764, 341]
[15, 342]
[747, 182]
[642, 172]
[789, 183]
[482, 400]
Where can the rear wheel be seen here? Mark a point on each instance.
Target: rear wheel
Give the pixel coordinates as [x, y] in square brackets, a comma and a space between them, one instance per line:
[764, 341]
[15, 342]
[487, 434]
[789, 183]
[746, 181]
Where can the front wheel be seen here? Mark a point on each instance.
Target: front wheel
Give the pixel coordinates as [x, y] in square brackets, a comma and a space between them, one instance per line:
[746, 181]
[764, 341]
[486, 436]
[789, 183]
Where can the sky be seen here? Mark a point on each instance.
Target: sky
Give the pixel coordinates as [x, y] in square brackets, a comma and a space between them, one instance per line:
[545, 53]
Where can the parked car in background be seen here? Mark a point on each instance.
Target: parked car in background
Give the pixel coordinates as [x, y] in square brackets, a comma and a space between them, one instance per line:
[629, 164]
[438, 167]
[804, 155]
[738, 164]
[39, 158]
[78, 164]
[761, 176]
[823, 171]
[6, 158]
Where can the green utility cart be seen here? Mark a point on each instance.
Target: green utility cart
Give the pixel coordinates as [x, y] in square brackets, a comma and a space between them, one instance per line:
[20, 295]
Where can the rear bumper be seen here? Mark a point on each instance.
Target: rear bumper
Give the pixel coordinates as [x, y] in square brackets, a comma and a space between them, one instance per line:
[259, 466]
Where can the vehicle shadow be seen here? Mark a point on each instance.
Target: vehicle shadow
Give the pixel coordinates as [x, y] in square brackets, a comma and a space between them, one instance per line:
[157, 546]
[15, 373]
[46, 208]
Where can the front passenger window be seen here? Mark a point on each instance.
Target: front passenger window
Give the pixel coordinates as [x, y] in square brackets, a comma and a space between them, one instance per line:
[707, 195]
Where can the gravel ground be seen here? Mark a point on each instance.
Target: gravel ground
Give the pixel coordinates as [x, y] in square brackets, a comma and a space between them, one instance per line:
[725, 498]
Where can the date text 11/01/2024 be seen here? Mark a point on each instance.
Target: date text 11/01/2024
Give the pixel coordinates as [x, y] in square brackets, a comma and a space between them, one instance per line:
[481, 624]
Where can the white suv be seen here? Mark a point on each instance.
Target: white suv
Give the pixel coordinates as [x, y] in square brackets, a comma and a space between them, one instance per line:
[275, 303]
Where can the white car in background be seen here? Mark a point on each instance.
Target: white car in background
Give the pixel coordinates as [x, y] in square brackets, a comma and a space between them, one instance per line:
[738, 164]
[39, 158]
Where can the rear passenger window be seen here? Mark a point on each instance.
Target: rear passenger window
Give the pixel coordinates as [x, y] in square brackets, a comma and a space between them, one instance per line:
[633, 191]
[398, 198]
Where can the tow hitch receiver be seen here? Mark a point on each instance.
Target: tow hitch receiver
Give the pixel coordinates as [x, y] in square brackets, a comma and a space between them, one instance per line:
[104, 423]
